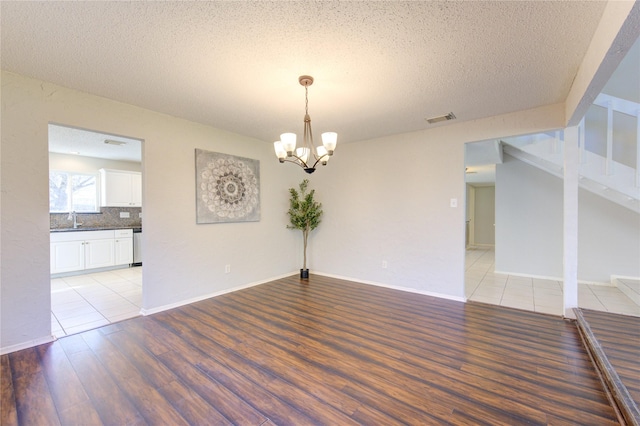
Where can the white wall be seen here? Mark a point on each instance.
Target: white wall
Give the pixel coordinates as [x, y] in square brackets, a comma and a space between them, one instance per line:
[529, 228]
[380, 208]
[182, 260]
[608, 239]
[528, 220]
[388, 199]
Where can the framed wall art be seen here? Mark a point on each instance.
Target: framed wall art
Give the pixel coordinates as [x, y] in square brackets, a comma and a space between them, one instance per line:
[227, 188]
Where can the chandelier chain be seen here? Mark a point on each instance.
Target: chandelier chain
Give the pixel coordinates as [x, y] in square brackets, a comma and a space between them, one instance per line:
[306, 99]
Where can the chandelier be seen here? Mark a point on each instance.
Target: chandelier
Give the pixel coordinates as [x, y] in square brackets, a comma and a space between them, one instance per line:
[306, 156]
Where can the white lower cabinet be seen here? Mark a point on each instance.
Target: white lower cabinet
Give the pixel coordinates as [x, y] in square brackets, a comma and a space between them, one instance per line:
[99, 253]
[123, 246]
[67, 256]
[79, 250]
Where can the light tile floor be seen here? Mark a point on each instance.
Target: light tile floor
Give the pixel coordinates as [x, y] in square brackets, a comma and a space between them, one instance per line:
[539, 295]
[84, 302]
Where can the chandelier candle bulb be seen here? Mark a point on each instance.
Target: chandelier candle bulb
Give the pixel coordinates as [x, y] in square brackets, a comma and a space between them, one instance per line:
[323, 155]
[281, 153]
[329, 140]
[288, 142]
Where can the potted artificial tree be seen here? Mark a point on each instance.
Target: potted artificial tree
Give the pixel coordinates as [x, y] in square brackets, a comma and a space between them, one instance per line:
[304, 214]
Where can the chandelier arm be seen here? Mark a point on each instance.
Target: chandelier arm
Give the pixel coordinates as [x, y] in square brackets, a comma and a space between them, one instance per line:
[293, 162]
[317, 161]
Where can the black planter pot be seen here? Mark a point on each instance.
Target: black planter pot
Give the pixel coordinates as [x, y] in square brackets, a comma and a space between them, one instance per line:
[304, 274]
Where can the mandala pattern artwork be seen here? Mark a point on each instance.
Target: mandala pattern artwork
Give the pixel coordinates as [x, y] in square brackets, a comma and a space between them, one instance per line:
[228, 188]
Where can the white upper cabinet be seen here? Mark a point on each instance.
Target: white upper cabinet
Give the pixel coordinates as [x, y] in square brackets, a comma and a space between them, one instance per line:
[120, 188]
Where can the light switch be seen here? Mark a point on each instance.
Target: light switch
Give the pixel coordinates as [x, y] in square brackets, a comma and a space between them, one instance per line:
[454, 202]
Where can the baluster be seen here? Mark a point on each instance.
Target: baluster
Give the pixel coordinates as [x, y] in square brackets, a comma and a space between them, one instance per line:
[582, 141]
[638, 148]
[608, 168]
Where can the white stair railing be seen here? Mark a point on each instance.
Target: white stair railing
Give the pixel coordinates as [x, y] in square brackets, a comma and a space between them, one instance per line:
[624, 106]
[602, 175]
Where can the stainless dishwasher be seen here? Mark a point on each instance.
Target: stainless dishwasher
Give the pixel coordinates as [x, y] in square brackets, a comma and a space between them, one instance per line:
[137, 247]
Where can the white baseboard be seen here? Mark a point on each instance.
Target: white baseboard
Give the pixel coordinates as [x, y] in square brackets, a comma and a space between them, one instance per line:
[26, 345]
[632, 294]
[209, 295]
[394, 287]
[624, 277]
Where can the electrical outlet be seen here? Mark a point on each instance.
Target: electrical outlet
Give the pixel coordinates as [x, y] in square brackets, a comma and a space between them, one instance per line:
[227, 269]
[384, 264]
[124, 215]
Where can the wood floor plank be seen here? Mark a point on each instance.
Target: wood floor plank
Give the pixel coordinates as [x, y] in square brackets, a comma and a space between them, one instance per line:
[34, 403]
[282, 361]
[256, 371]
[325, 351]
[439, 352]
[8, 410]
[193, 407]
[403, 368]
[218, 369]
[436, 398]
[442, 329]
[418, 360]
[71, 400]
[143, 394]
[113, 407]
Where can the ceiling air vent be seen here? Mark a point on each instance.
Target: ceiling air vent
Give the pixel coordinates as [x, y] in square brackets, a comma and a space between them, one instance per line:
[447, 117]
[112, 142]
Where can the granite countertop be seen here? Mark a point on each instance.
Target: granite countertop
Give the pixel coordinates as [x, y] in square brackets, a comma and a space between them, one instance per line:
[104, 228]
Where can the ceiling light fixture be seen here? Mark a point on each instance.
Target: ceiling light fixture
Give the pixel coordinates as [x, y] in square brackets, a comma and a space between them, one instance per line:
[112, 142]
[446, 117]
[303, 156]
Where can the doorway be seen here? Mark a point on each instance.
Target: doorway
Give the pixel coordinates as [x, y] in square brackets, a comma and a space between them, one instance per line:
[95, 188]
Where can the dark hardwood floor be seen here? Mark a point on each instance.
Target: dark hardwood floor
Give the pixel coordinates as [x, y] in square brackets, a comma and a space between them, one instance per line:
[327, 352]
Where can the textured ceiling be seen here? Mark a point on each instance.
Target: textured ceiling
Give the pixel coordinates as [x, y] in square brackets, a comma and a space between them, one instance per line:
[380, 67]
[68, 140]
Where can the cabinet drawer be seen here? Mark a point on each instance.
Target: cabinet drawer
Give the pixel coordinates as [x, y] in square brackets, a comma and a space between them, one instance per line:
[123, 233]
[58, 237]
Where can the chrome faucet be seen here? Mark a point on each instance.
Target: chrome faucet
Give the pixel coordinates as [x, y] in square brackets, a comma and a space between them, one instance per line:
[73, 215]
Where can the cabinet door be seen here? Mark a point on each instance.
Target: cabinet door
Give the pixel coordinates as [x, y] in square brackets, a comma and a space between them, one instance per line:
[124, 251]
[116, 189]
[136, 190]
[99, 253]
[67, 256]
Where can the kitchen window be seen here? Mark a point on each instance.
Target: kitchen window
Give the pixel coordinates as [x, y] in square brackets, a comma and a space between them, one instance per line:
[71, 191]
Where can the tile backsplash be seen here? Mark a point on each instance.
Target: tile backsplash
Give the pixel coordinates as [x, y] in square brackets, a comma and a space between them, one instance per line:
[107, 218]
